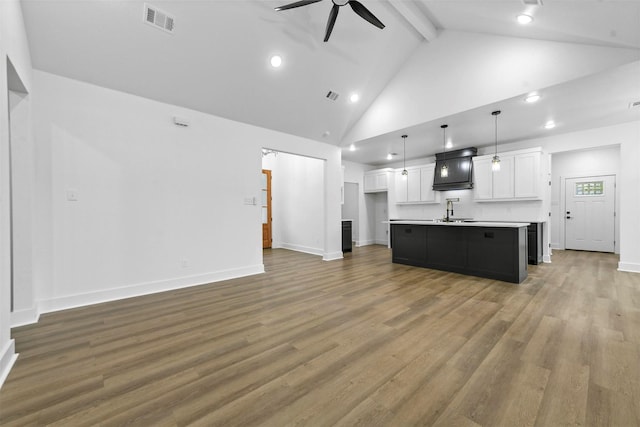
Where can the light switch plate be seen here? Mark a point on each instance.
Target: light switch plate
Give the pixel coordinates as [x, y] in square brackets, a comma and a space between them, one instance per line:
[72, 195]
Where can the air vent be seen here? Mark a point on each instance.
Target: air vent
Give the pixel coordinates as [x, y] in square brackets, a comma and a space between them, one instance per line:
[634, 104]
[532, 2]
[332, 95]
[158, 18]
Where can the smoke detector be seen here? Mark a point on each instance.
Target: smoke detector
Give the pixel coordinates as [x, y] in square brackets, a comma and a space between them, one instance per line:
[158, 18]
[532, 2]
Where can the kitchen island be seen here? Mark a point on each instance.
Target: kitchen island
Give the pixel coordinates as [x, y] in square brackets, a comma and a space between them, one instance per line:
[495, 250]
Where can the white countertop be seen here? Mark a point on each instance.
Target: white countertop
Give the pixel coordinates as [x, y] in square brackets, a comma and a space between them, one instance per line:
[461, 224]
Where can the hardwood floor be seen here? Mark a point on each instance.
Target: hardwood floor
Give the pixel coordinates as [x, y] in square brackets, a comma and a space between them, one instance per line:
[360, 341]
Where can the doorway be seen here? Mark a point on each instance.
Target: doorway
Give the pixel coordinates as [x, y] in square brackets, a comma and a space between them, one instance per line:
[267, 238]
[350, 208]
[590, 213]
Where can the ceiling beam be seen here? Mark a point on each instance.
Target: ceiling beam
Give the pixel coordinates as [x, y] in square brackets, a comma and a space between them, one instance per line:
[410, 11]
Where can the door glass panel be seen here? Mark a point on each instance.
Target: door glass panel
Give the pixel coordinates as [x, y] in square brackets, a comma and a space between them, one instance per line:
[264, 214]
[264, 181]
[264, 198]
[589, 188]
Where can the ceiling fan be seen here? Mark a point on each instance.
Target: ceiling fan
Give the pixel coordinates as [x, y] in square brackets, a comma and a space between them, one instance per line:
[357, 7]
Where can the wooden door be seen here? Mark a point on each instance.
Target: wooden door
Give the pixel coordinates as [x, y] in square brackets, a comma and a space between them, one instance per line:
[266, 208]
[590, 213]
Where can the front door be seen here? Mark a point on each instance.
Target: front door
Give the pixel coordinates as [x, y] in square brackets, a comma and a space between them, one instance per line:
[266, 208]
[590, 213]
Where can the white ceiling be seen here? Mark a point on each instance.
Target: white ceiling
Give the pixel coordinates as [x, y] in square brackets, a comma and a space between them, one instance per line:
[217, 61]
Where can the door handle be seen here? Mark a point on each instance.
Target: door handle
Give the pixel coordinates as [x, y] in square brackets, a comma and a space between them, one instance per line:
[568, 217]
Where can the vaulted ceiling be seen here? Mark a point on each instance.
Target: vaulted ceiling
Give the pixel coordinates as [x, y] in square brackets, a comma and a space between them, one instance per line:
[434, 62]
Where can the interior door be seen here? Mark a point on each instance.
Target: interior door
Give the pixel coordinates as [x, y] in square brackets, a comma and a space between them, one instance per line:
[590, 213]
[266, 209]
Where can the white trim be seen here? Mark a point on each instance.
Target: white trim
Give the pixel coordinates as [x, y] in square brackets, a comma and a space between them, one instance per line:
[365, 243]
[7, 359]
[24, 317]
[381, 242]
[332, 256]
[630, 267]
[81, 300]
[546, 259]
[300, 248]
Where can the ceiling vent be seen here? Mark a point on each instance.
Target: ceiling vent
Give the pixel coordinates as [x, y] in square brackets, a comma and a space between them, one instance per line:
[332, 95]
[635, 104]
[158, 18]
[532, 2]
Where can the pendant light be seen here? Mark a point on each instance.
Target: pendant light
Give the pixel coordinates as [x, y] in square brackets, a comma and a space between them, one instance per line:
[495, 163]
[404, 157]
[444, 170]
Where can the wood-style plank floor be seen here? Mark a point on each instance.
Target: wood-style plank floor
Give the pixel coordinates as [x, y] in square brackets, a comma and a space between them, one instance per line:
[359, 341]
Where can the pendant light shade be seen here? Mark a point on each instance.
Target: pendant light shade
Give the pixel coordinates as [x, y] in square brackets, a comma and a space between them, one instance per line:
[444, 170]
[495, 162]
[405, 173]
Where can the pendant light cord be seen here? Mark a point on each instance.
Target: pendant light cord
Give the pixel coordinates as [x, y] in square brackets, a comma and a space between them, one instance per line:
[495, 114]
[404, 153]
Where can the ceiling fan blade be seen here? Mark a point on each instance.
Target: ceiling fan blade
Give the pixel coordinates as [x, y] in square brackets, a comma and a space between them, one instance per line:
[332, 20]
[296, 4]
[365, 14]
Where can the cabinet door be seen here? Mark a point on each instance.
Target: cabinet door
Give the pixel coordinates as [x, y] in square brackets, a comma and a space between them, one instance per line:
[381, 181]
[483, 178]
[401, 188]
[503, 180]
[527, 175]
[413, 185]
[426, 184]
[369, 182]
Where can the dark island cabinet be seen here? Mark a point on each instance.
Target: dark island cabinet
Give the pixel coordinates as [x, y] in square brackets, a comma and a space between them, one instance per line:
[491, 252]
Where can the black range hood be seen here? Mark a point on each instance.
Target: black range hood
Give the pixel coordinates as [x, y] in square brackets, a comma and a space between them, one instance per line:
[460, 169]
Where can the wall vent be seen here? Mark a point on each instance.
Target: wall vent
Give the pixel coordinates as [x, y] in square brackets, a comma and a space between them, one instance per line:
[634, 104]
[158, 18]
[332, 95]
[532, 2]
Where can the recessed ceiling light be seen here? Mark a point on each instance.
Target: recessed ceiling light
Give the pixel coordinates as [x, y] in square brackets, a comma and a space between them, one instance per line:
[524, 19]
[276, 61]
[389, 156]
[550, 124]
[352, 147]
[326, 133]
[354, 98]
[534, 97]
[449, 144]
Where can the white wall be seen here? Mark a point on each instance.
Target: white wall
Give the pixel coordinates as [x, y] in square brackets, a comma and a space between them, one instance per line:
[13, 47]
[573, 164]
[159, 206]
[297, 183]
[630, 200]
[463, 71]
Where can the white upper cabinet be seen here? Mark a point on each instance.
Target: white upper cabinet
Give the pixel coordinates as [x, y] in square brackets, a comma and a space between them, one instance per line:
[518, 178]
[417, 186]
[527, 176]
[375, 181]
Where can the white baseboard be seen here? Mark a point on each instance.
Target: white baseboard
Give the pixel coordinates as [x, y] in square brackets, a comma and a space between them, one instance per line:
[300, 248]
[557, 246]
[81, 300]
[381, 242]
[332, 256]
[365, 243]
[8, 357]
[630, 267]
[546, 259]
[24, 317]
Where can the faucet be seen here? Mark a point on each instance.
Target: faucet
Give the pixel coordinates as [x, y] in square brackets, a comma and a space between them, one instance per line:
[450, 207]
